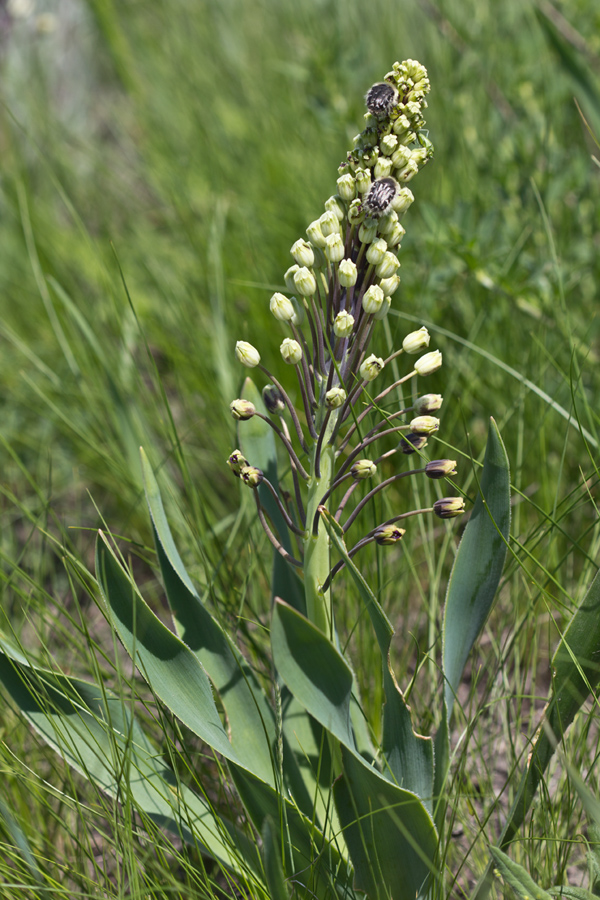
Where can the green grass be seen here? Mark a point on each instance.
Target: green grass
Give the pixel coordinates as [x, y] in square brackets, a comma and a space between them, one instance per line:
[157, 162]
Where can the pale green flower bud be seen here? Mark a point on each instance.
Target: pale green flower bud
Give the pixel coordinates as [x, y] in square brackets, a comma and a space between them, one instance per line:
[407, 172]
[388, 144]
[343, 324]
[429, 363]
[251, 476]
[371, 367]
[330, 224]
[356, 213]
[401, 125]
[304, 281]
[334, 248]
[449, 507]
[389, 534]
[383, 309]
[291, 351]
[334, 204]
[389, 285]
[428, 403]
[440, 468]
[401, 156]
[335, 398]
[298, 317]
[383, 167]
[347, 187]
[386, 223]
[372, 299]
[419, 156]
[425, 425]
[388, 265]
[362, 469]
[273, 399]
[363, 180]
[247, 354]
[368, 231]
[281, 307]
[395, 235]
[236, 462]
[402, 200]
[303, 253]
[242, 409]
[289, 277]
[416, 341]
[347, 273]
[315, 235]
[376, 251]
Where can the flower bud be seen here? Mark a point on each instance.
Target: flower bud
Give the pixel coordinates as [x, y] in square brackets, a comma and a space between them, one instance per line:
[303, 253]
[236, 461]
[388, 265]
[304, 281]
[330, 224]
[380, 197]
[381, 99]
[394, 236]
[425, 425]
[363, 180]
[376, 251]
[356, 213]
[334, 205]
[298, 317]
[389, 534]
[372, 299]
[251, 476]
[281, 307]
[362, 469]
[383, 167]
[407, 172]
[371, 367]
[347, 273]
[335, 398]
[368, 231]
[334, 248]
[247, 354]
[401, 125]
[427, 404]
[401, 156]
[315, 235]
[388, 144]
[416, 341]
[402, 200]
[387, 222]
[343, 324]
[347, 187]
[428, 363]
[273, 399]
[242, 409]
[383, 309]
[449, 507]
[389, 285]
[289, 277]
[440, 468]
[410, 443]
[291, 351]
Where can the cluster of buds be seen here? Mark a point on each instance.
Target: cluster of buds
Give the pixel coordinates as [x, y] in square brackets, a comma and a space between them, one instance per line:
[341, 284]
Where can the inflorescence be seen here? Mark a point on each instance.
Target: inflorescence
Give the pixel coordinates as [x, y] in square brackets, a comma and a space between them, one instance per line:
[340, 286]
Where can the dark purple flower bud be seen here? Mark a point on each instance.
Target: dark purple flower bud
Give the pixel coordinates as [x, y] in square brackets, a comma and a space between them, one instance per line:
[389, 534]
[411, 442]
[440, 468]
[449, 507]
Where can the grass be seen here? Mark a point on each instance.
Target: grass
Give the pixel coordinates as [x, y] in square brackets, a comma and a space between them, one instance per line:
[157, 164]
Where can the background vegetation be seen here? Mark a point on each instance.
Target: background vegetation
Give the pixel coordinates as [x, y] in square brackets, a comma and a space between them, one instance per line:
[157, 162]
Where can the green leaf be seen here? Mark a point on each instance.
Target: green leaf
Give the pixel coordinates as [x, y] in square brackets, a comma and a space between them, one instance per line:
[271, 856]
[249, 715]
[408, 756]
[517, 877]
[572, 893]
[478, 565]
[392, 840]
[96, 735]
[169, 666]
[257, 443]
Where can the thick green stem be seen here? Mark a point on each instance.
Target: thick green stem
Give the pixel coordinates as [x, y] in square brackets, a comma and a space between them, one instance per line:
[316, 548]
